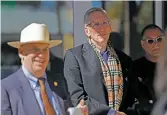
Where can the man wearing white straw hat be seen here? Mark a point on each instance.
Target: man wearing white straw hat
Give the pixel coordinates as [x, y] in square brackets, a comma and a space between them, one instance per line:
[28, 90]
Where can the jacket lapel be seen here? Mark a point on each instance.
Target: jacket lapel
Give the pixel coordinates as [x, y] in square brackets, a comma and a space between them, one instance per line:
[125, 72]
[92, 58]
[53, 84]
[30, 103]
[125, 83]
[94, 61]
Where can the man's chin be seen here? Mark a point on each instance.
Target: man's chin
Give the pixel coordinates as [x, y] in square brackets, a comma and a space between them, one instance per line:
[103, 38]
[39, 69]
[157, 54]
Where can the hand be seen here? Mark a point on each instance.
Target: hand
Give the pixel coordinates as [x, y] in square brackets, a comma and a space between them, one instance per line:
[83, 107]
[81, 103]
[119, 113]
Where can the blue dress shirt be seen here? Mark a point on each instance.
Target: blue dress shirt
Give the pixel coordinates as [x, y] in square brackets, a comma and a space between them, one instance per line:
[36, 89]
[105, 55]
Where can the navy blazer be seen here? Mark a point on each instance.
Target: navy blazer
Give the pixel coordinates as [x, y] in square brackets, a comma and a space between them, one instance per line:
[17, 97]
[85, 80]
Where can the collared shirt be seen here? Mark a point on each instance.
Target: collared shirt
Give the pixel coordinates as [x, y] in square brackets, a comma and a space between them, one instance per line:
[36, 89]
[111, 112]
[105, 55]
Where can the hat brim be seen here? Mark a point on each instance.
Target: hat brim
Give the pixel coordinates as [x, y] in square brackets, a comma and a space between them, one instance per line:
[51, 43]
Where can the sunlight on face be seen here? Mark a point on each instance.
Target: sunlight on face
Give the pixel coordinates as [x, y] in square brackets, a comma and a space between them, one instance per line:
[99, 27]
[153, 49]
[36, 57]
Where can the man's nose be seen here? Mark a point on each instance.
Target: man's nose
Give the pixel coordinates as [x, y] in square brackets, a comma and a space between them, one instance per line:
[156, 45]
[40, 53]
[102, 29]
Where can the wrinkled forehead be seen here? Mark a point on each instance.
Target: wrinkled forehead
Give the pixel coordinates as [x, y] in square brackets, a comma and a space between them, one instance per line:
[153, 33]
[97, 16]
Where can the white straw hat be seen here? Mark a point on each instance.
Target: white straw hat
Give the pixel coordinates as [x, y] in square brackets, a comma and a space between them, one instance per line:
[35, 33]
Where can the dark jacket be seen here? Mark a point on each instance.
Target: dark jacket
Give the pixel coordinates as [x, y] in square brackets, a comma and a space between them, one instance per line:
[84, 76]
[143, 70]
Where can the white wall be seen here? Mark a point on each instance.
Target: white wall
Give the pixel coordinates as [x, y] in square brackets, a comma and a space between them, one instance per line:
[158, 14]
[80, 7]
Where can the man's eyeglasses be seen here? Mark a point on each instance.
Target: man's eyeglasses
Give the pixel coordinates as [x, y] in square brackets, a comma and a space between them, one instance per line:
[98, 24]
[155, 40]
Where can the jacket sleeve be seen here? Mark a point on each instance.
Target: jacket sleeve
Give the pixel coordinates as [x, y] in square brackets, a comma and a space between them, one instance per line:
[5, 103]
[73, 76]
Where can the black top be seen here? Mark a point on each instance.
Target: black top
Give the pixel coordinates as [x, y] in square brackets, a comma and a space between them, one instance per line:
[144, 71]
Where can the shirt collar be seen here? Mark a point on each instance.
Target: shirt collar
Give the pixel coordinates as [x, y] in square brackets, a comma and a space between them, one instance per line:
[31, 78]
[105, 52]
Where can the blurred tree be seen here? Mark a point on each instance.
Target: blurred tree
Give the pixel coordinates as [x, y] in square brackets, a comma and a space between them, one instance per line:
[8, 3]
[114, 9]
[134, 9]
[33, 4]
[13, 4]
[59, 5]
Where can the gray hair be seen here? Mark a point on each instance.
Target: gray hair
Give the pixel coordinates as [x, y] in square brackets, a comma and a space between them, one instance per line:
[90, 11]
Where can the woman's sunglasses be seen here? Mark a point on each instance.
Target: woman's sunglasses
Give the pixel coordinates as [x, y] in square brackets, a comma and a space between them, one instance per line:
[155, 40]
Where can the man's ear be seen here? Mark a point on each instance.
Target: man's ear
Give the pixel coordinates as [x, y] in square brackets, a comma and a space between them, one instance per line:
[87, 32]
[21, 52]
[21, 56]
[142, 44]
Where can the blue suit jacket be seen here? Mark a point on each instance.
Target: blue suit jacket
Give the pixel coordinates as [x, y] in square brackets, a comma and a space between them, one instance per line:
[17, 97]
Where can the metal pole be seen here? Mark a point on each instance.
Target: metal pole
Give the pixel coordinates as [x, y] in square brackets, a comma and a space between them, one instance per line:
[126, 28]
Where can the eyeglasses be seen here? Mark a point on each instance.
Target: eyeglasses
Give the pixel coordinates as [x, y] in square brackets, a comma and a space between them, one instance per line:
[155, 40]
[98, 24]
